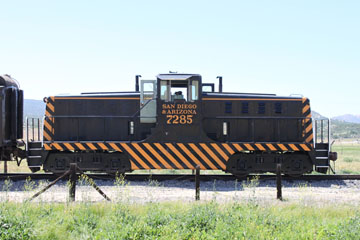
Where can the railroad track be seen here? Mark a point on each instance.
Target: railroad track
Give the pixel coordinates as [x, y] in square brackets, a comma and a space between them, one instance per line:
[179, 177]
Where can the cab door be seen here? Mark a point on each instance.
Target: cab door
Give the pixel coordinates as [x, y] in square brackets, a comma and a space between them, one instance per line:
[148, 101]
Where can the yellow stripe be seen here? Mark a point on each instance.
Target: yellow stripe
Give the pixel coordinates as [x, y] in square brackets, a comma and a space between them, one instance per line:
[309, 139]
[136, 157]
[214, 145]
[293, 147]
[50, 106]
[306, 108]
[249, 147]
[46, 136]
[47, 113]
[91, 146]
[113, 145]
[308, 118]
[191, 155]
[142, 152]
[252, 99]
[52, 98]
[304, 147]
[47, 147]
[237, 146]
[282, 147]
[133, 166]
[68, 146]
[203, 157]
[103, 146]
[177, 153]
[272, 148]
[153, 152]
[308, 128]
[226, 146]
[48, 126]
[221, 164]
[260, 147]
[80, 146]
[168, 155]
[57, 146]
[96, 98]
[304, 99]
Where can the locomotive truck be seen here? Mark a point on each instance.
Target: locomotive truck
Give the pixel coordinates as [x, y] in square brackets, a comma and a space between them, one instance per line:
[173, 122]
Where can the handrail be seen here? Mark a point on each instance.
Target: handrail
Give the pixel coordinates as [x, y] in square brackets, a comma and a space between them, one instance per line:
[32, 130]
[143, 106]
[252, 119]
[322, 129]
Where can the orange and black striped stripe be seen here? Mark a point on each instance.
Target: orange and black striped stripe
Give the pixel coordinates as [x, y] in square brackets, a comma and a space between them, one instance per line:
[177, 155]
[49, 120]
[307, 122]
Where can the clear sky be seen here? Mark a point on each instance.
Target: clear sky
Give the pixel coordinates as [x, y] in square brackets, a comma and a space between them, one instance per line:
[284, 47]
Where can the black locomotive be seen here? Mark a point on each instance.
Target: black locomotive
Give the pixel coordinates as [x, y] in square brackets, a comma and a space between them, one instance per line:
[175, 122]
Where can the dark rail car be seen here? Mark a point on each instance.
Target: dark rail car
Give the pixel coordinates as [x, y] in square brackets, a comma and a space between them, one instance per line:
[178, 122]
[11, 119]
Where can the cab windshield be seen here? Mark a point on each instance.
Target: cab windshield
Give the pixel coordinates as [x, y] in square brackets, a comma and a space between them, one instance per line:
[179, 90]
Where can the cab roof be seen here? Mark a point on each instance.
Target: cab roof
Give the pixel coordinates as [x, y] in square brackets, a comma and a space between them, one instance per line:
[177, 76]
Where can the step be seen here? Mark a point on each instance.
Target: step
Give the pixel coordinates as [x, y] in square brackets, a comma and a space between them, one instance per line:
[35, 149]
[321, 150]
[322, 166]
[322, 158]
[34, 156]
[34, 144]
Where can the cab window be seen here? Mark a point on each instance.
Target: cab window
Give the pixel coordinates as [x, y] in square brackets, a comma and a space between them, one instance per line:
[185, 90]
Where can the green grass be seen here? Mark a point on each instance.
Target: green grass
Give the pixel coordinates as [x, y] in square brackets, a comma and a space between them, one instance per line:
[177, 221]
[348, 157]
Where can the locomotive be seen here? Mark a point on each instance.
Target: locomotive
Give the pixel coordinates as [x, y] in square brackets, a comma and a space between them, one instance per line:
[173, 122]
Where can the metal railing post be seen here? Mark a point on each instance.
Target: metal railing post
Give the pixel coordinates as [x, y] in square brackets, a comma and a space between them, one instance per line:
[72, 179]
[322, 130]
[33, 128]
[197, 183]
[27, 132]
[38, 129]
[278, 182]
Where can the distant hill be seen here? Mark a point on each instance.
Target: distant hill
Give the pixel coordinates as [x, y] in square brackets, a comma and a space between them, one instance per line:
[316, 115]
[34, 108]
[348, 118]
[342, 129]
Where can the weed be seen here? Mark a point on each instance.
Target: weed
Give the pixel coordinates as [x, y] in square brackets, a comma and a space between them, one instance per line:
[7, 187]
[29, 184]
[122, 185]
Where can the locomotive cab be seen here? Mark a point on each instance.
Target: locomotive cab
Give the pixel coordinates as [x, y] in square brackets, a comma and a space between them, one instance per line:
[173, 103]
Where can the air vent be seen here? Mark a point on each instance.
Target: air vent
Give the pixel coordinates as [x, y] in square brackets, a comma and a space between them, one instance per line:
[278, 108]
[261, 108]
[228, 107]
[245, 107]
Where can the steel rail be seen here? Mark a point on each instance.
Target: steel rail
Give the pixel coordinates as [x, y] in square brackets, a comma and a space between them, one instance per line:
[179, 177]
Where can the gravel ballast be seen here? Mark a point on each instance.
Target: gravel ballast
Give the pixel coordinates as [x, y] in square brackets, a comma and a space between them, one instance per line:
[308, 193]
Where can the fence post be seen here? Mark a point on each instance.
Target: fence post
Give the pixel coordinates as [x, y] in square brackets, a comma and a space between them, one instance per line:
[197, 183]
[72, 179]
[278, 181]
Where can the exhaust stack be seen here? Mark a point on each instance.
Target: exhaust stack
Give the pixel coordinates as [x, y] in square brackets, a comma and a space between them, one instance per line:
[220, 83]
[137, 89]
